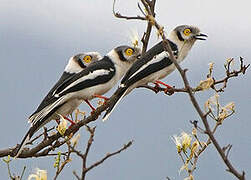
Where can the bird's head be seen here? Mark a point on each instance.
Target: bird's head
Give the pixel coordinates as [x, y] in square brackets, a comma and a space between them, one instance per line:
[188, 33]
[126, 54]
[80, 61]
[184, 37]
[85, 59]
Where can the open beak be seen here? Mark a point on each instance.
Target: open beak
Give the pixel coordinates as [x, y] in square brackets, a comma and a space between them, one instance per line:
[200, 36]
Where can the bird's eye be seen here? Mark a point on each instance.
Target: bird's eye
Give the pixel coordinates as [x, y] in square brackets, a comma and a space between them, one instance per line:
[187, 32]
[87, 59]
[129, 51]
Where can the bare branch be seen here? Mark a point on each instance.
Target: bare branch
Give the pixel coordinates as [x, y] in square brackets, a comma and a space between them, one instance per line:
[109, 155]
[84, 156]
[76, 175]
[230, 74]
[118, 15]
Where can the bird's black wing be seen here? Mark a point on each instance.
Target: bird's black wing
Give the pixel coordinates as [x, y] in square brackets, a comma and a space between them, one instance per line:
[97, 73]
[140, 69]
[67, 80]
[157, 49]
[49, 98]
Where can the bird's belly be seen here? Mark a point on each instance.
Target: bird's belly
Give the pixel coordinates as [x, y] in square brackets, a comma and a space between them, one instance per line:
[164, 72]
[156, 76]
[67, 108]
[95, 90]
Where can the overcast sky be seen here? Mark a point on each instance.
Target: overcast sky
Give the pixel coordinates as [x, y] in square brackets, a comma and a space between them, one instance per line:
[38, 37]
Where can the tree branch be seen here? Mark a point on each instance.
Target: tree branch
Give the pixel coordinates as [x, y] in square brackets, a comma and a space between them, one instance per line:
[182, 72]
[109, 155]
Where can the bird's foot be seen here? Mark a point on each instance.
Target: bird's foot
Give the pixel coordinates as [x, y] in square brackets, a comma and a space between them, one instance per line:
[156, 88]
[71, 121]
[89, 104]
[169, 90]
[102, 97]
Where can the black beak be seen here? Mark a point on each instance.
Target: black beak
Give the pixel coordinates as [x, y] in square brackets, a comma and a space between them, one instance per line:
[200, 36]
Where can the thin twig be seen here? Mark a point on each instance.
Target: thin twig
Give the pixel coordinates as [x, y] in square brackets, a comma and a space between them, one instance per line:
[44, 132]
[22, 174]
[84, 156]
[118, 15]
[109, 155]
[76, 175]
[230, 74]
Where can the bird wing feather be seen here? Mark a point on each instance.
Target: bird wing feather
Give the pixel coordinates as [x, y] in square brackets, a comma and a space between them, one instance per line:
[49, 98]
[97, 73]
[148, 64]
[105, 70]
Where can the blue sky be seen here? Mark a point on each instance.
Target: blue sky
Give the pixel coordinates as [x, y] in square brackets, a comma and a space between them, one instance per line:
[38, 37]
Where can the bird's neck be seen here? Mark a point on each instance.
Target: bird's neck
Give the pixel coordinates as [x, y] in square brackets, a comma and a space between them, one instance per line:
[121, 66]
[183, 46]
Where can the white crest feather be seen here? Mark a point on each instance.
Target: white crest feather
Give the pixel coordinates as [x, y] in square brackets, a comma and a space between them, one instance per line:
[134, 37]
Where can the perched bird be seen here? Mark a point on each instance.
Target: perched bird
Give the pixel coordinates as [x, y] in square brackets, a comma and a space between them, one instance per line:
[155, 64]
[75, 64]
[96, 79]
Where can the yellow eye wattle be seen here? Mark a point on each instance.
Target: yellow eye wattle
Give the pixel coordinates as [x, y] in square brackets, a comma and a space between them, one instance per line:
[129, 51]
[187, 32]
[87, 59]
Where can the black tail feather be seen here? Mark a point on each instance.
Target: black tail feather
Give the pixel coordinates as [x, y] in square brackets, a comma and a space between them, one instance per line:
[121, 92]
[26, 138]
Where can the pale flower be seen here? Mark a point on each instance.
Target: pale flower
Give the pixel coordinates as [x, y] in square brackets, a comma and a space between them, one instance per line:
[212, 101]
[223, 114]
[182, 142]
[190, 177]
[229, 60]
[134, 36]
[211, 66]
[215, 99]
[62, 125]
[206, 84]
[39, 175]
[186, 141]
[230, 106]
[75, 139]
[225, 111]
[194, 148]
[177, 140]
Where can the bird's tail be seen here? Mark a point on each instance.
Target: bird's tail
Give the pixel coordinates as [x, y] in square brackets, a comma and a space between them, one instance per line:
[34, 128]
[45, 111]
[26, 138]
[121, 92]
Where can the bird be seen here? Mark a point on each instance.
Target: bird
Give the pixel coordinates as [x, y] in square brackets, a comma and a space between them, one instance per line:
[156, 64]
[75, 64]
[96, 79]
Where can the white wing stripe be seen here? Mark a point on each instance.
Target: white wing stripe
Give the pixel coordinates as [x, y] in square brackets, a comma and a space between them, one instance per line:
[155, 59]
[91, 75]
